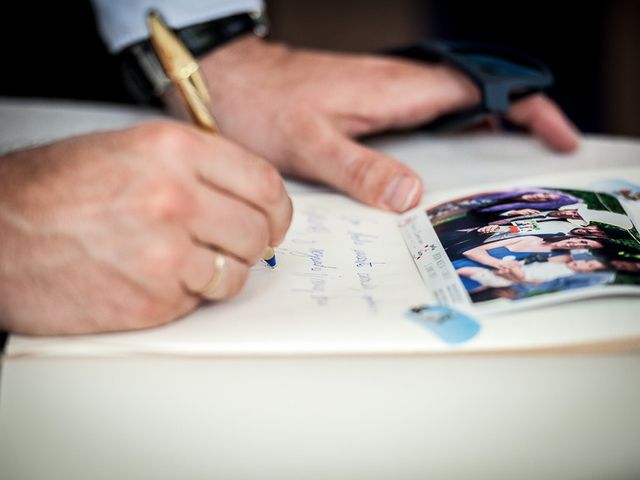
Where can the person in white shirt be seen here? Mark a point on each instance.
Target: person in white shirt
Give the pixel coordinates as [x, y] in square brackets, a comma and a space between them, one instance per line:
[121, 230]
[532, 273]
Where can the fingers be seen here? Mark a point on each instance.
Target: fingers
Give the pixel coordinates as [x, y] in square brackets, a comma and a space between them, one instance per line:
[489, 229]
[237, 206]
[362, 173]
[213, 275]
[439, 90]
[545, 120]
[225, 167]
[434, 91]
[230, 225]
[405, 94]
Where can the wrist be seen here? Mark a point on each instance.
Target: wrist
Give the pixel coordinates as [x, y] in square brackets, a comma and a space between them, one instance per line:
[245, 54]
[220, 68]
[233, 71]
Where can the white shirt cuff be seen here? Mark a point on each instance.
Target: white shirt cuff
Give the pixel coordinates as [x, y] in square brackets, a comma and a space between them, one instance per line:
[123, 22]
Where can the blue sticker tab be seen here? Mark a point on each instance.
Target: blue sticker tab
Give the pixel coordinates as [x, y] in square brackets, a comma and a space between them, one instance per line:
[451, 326]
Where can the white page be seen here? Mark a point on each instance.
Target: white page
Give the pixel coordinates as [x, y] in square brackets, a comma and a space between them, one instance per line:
[343, 282]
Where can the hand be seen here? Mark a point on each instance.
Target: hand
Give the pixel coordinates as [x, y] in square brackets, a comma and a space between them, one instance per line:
[504, 264]
[511, 271]
[521, 212]
[489, 229]
[301, 109]
[111, 231]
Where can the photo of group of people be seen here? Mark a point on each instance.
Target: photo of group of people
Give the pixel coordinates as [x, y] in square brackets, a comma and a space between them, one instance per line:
[520, 243]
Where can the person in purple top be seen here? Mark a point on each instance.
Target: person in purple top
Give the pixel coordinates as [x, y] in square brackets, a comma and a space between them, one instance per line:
[530, 198]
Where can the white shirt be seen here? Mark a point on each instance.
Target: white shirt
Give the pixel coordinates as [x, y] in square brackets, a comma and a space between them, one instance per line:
[537, 272]
[123, 22]
[546, 227]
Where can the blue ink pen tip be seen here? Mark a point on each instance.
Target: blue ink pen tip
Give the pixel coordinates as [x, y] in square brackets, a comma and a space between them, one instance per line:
[270, 257]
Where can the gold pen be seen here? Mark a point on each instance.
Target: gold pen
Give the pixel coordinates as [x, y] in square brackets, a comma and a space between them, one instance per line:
[183, 70]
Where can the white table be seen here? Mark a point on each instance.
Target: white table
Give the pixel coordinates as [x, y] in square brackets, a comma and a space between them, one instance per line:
[490, 416]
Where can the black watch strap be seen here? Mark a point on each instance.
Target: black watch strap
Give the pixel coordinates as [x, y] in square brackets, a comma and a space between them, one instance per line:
[142, 72]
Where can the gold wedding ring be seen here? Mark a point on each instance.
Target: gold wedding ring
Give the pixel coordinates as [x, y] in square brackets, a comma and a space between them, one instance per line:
[219, 265]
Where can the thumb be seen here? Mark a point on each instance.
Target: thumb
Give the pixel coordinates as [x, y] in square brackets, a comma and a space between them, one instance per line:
[362, 173]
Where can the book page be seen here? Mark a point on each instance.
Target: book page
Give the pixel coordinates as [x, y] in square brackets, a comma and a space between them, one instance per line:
[347, 283]
[343, 283]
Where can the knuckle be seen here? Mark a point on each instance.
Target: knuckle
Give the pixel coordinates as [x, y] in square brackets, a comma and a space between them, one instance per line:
[165, 136]
[368, 175]
[271, 187]
[359, 171]
[154, 129]
[164, 198]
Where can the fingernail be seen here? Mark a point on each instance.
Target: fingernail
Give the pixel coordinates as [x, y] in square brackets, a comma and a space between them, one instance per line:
[401, 193]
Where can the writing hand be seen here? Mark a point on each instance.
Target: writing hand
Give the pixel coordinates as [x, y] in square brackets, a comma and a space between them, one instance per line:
[112, 231]
[301, 110]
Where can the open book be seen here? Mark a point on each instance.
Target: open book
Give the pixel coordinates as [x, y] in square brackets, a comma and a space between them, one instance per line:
[501, 268]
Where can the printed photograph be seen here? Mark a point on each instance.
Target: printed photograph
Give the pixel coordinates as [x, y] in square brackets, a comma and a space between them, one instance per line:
[520, 243]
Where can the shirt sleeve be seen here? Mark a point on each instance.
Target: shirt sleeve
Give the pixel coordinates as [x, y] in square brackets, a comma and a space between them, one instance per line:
[123, 22]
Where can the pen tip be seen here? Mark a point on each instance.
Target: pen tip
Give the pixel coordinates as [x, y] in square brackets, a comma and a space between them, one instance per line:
[269, 256]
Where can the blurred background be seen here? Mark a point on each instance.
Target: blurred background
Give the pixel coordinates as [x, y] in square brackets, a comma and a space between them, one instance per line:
[591, 46]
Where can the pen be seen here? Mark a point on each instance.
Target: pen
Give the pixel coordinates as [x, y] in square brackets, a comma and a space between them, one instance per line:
[183, 70]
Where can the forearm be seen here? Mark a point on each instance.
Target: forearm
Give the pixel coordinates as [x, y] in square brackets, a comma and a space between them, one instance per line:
[480, 255]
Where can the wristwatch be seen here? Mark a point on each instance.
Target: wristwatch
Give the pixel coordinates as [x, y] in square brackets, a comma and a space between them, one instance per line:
[143, 75]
